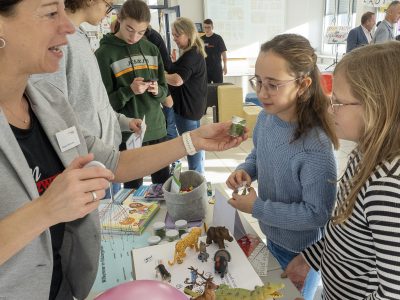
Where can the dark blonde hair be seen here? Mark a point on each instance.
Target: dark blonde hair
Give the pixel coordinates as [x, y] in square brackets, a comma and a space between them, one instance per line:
[312, 104]
[186, 26]
[371, 72]
[74, 5]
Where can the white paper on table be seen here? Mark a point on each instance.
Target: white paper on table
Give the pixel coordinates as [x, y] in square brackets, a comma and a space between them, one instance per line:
[226, 215]
[136, 140]
[240, 273]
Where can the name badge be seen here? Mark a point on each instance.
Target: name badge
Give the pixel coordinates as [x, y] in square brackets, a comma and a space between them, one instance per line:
[68, 139]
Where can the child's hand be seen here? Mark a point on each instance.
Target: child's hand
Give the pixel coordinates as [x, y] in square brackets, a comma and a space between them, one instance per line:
[244, 203]
[153, 88]
[138, 86]
[237, 179]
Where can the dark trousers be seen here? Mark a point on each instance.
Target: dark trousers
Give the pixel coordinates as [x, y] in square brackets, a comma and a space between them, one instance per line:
[215, 76]
[160, 176]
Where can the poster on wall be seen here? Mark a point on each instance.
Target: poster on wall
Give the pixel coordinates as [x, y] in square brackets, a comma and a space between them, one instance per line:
[377, 3]
[337, 34]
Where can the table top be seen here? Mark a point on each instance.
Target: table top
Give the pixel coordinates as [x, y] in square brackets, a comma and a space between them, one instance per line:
[115, 264]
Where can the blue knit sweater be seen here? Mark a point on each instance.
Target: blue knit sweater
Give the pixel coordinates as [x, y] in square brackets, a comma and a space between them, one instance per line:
[296, 182]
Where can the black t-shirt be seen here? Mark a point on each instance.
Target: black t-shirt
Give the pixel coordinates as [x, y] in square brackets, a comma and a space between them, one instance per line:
[45, 165]
[190, 98]
[155, 38]
[214, 46]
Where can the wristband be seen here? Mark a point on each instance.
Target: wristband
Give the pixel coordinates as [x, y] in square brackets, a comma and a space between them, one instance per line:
[187, 142]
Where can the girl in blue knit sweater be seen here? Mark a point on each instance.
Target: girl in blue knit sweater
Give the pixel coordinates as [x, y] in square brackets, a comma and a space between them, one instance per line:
[292, 159]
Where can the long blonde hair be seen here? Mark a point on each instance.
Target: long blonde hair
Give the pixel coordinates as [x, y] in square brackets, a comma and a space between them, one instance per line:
[186, 26]
[371, 73]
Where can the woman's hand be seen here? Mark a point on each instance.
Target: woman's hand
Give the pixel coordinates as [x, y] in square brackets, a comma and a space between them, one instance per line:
[238, 179]
[73, 193]
[138, 86]
[153, 87]
[244, 203]
[215, 137]
[135, 125]
[297, 271]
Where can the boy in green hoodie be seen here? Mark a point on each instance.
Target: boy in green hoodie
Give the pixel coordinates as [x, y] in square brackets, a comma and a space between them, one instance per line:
[133, 74]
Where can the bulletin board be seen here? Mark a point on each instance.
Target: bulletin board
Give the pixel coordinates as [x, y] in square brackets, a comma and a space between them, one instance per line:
[245, 25]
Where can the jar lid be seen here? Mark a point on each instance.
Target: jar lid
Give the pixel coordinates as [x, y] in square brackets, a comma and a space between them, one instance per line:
[238, 120]
[180, 223]
[154, 239]
[172, 233]
[158, 225]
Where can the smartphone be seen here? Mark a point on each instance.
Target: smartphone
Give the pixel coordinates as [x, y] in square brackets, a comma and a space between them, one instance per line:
[150, 80]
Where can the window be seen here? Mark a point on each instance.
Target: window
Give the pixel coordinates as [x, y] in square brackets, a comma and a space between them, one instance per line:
[339, 13]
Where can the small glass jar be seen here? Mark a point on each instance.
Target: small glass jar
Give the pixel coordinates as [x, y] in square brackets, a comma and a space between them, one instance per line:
[153, 240]
[172, 235]
[237, 126]
[181, 226]
[159, 229]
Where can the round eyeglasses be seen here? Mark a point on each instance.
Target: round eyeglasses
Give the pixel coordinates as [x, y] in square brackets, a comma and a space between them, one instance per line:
[109, 7]
[269, 85]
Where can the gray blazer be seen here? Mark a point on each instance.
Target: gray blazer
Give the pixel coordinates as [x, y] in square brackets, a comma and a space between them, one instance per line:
[27, 275]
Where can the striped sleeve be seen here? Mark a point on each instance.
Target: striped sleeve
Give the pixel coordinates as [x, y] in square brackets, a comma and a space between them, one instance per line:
[313, 254]
[382, 211]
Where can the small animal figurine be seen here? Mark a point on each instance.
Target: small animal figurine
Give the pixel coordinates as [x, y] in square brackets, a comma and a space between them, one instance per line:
[209, 287]
[163, 273]
[203, 255]
[191, 240]
[221, 259]
[218, 235]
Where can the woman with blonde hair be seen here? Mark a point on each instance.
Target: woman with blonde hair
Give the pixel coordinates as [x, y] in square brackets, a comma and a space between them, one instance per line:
[359, 255]
[187, 80]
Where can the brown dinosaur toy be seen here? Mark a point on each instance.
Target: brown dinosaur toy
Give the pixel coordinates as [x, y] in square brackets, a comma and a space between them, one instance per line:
[218, 235]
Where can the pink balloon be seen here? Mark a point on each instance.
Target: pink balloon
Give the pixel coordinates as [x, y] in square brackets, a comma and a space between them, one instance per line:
[143, 290]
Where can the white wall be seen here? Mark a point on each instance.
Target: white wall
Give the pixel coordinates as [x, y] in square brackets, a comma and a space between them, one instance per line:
[305, 18]
[192, 9]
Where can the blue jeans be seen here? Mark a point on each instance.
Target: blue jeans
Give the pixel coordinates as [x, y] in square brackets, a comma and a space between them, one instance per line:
[196, 162]
[284, 256]
[170, 121]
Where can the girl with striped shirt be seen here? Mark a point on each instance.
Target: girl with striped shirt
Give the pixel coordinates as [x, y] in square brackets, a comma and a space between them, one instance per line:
[359, 256]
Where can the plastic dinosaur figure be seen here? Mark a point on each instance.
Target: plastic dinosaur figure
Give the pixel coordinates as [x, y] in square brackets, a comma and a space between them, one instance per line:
[191, 240]
[265, 292]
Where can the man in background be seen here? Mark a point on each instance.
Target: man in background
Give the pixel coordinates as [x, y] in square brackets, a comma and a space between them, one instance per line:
[384, 32]
[216, 51]
[361, 35]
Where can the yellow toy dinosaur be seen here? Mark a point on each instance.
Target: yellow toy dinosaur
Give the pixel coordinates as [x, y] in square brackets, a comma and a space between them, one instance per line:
[191, 240]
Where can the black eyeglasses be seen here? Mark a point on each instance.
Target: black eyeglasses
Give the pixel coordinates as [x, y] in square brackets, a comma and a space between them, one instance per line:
[110, 7]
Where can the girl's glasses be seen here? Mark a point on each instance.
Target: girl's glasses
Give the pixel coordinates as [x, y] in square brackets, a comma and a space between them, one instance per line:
[270, 87]
[109, 7]
[335, 106]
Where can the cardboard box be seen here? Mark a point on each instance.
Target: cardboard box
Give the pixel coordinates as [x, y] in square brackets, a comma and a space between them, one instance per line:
[250, 113]
[230, 102]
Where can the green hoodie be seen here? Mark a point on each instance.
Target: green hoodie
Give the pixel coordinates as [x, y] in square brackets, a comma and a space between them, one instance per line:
[115, 58]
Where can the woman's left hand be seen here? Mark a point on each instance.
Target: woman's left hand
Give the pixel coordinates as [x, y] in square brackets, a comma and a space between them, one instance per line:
[153, 88]
[244, 203]
[215, 137]
[135, 125]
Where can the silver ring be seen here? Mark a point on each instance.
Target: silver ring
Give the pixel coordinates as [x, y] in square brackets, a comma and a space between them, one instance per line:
[94, 195]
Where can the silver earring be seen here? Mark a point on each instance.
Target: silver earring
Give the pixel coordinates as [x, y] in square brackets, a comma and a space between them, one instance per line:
[2, 43]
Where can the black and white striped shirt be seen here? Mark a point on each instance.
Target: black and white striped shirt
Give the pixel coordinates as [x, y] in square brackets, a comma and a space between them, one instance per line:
[360, 259]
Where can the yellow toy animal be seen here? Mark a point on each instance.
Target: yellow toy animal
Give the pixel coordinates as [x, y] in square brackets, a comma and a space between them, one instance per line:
[191, 240]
